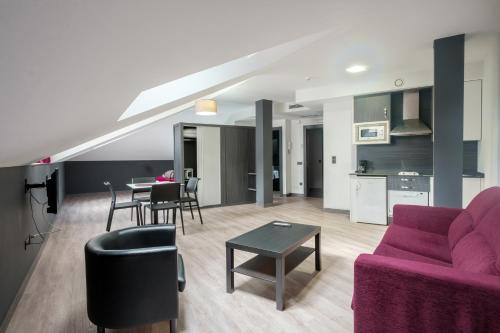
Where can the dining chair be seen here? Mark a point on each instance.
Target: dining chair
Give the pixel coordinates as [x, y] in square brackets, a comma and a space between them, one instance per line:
[122, 205]
[191, 197]
[144, 191]
[165, 197]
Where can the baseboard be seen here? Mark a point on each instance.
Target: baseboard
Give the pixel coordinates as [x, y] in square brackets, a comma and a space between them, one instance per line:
[337, 211]
[295, 194]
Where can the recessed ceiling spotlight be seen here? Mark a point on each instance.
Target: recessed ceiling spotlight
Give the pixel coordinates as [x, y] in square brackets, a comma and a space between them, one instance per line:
[308, 78]
[356, 69]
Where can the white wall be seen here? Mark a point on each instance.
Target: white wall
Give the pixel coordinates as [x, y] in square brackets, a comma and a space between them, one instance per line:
[489, 147]
[155, 142]
[297, 152]
[337, 129]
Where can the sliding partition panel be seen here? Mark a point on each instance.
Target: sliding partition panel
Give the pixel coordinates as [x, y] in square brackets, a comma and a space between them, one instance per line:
[179, 152]
[208, 148]
[235, 161]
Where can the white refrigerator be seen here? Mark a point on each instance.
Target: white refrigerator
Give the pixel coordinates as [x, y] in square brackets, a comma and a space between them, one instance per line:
[369, 199]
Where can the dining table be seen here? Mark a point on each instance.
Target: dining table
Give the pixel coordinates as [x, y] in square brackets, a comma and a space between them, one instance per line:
[148, 185]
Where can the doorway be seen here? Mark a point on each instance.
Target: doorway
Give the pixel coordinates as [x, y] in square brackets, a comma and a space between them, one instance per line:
[313, 157]
[277, 156]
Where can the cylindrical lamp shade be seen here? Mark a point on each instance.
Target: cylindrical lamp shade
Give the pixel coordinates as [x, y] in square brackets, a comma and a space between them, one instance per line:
[206, 107]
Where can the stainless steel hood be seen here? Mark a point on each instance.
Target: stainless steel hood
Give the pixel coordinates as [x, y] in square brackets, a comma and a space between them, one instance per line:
[411, 125]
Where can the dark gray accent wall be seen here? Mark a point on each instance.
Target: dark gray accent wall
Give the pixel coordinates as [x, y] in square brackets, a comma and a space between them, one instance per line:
[88, 176]
[407, 153]
[448, 120]
[16, 224]
[412, 153]
[263, 151]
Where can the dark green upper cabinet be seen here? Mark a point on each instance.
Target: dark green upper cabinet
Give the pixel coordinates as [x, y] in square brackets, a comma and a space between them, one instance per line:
[372, 108]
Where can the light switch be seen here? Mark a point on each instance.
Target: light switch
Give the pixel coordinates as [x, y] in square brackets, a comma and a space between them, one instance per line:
[334, 159]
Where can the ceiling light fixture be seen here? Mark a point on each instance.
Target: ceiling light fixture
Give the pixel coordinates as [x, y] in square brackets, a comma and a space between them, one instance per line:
[356, 69]
[206, 107]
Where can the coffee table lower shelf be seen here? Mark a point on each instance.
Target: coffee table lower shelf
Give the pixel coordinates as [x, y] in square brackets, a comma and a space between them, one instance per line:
[264, 268]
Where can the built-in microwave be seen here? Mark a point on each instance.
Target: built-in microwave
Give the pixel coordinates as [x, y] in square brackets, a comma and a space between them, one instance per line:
[375, 132]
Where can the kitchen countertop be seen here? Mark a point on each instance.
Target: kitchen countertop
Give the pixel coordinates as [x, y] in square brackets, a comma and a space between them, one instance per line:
[385, 173]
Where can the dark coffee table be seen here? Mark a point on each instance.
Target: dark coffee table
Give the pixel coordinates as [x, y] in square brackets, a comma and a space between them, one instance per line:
[279, 250]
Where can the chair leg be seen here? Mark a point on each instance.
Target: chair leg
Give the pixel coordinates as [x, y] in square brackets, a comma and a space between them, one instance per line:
[102, 329]
[168, 213]
[191, 209]
[199, 211]
[140, 214]
[164, 221]
[182, 220]
[137, 209]
[110, 218]
[132, 210]
[173, 326]
[174, 216]
[144, 215]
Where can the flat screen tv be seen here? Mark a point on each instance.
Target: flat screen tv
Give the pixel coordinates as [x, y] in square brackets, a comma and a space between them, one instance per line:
[52, 186]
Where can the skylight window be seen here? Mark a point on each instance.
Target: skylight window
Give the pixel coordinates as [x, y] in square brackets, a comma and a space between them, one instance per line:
[199, 82]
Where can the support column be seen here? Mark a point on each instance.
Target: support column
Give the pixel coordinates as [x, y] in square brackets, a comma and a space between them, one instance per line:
[264, 152]
[448, 120]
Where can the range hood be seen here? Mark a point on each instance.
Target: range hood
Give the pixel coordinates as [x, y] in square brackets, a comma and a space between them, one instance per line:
[411, 125]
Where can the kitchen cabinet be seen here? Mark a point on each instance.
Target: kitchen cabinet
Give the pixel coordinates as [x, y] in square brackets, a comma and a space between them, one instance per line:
[372, 108]
[470, 188]
[407, 198]
[368, 199]
[472, 110]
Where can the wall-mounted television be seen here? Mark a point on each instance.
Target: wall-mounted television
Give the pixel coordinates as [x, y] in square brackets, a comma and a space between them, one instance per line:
[52, 189]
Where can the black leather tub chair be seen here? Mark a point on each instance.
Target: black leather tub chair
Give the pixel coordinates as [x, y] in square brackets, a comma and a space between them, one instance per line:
[133, 277]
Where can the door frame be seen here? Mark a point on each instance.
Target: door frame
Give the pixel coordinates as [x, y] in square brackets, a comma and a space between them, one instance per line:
[304, 157]
[280, 153]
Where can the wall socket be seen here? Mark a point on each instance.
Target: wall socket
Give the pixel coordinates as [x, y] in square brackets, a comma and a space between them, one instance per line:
[334, 159]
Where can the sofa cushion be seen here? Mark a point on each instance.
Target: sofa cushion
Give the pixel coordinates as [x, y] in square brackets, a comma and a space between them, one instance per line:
[461, 226]
[420, 242]
[393, 252]
[473, 254]
[482, 203]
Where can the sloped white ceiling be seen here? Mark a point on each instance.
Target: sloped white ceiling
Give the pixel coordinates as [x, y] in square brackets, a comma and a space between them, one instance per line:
[69, 69]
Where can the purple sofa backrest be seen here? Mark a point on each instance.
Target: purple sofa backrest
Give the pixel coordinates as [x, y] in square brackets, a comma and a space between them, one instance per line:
[474, 236]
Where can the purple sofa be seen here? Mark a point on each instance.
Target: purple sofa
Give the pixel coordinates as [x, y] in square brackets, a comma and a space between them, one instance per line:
[435, 270]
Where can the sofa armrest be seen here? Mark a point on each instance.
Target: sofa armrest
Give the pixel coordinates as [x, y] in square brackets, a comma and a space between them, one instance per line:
[425, 218]
[395, 295]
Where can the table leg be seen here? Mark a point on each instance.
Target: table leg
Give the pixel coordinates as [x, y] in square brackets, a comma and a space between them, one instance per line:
[280, 283]
[317, 252]
[229, 270]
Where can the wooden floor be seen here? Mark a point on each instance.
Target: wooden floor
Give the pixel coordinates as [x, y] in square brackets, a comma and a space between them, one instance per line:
[54, 299]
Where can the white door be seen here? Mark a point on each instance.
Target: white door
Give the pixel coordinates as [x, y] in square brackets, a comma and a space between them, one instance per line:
[208, 164]
[370, 200]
